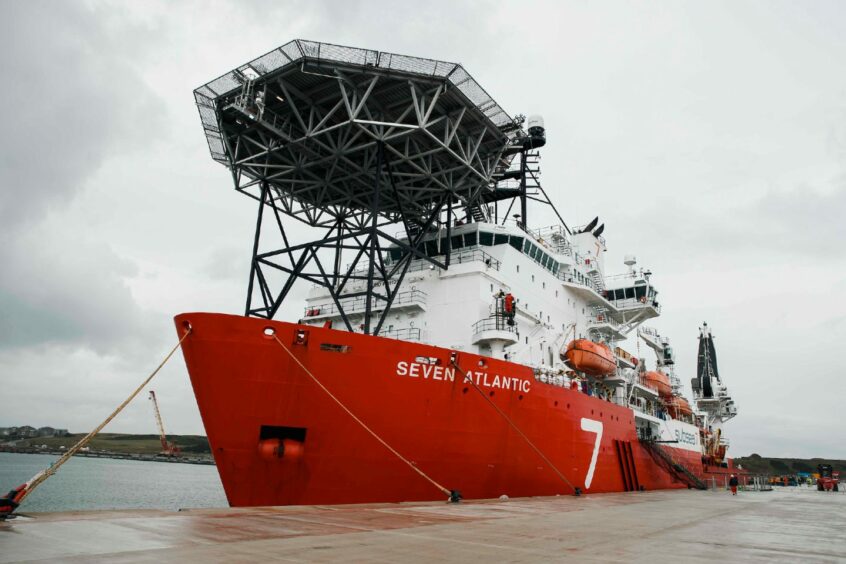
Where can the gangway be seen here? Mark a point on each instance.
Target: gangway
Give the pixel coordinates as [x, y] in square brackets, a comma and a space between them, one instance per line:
[676, 469]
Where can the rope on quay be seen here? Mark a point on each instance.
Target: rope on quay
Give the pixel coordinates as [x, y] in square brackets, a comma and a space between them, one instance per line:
[467, 378]
[454, 496]
[14, 498]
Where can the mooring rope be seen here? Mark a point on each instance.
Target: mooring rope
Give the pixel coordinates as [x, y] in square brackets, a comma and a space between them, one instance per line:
[513, 425]
[39, 478]
[453, 495]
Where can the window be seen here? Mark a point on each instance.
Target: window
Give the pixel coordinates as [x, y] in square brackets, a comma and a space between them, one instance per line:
[431, 248]
[485, 238]
[516, 242]
[543, 284]
[500, 239]
[533, 277]
[470, 239]
[457, 241]
[518, 268]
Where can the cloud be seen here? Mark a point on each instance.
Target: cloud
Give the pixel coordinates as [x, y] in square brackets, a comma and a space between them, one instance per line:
[709, 141]
[68, 289]
[69, 100]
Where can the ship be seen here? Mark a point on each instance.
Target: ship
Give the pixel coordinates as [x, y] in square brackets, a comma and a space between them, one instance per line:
[447, 347]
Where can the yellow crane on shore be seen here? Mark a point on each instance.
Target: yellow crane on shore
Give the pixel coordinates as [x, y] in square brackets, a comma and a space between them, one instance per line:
[168, 449]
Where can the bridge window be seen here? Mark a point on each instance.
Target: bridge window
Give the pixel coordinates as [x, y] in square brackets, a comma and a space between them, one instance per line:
[470, 239]
[485, 238]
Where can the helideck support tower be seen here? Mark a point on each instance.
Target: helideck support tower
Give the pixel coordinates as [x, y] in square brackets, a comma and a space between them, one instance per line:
[349, 142]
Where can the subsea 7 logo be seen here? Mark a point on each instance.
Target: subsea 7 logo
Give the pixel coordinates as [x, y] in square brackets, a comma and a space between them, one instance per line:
[592, 426]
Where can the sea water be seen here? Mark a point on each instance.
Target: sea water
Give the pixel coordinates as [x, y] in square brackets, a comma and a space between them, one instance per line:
[103, 483]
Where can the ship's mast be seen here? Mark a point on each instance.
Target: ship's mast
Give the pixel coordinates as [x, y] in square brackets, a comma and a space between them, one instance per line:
[709, 392]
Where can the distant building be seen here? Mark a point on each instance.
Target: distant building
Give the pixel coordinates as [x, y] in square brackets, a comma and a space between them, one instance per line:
[28, 432]
[51, 432]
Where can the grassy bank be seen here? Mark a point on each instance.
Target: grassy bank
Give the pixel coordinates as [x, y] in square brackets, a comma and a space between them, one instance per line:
[758, 464]
[127, 444]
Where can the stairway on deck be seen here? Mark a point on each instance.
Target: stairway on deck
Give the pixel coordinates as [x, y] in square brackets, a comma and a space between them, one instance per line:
[676, 469]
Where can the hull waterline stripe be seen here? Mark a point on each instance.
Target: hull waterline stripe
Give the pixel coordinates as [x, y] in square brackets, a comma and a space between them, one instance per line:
[453, 495]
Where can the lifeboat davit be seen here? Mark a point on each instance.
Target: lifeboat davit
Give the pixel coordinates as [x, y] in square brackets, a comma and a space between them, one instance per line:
[677, 405]
[659, 382]
[594, 359]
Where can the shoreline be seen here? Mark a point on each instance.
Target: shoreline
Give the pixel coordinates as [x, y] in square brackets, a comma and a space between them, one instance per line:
[114, 455]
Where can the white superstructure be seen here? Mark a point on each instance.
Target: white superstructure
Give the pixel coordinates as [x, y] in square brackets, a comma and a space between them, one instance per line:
[559, 286]
[557, 279]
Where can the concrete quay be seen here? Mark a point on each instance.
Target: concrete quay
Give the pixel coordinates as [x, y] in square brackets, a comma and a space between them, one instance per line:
[784, 525]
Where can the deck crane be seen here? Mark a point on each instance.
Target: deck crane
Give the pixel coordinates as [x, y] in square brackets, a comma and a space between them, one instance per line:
[168, 449]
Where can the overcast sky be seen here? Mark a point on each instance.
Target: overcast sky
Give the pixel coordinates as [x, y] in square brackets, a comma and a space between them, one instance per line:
[709, 137]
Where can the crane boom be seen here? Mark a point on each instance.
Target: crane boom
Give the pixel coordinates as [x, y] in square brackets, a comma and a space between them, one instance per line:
[168, 449]
[162, 437]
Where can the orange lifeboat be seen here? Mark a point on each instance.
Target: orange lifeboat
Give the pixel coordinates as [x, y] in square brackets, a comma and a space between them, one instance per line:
[677, 405]
[659, 382]
[594, 359]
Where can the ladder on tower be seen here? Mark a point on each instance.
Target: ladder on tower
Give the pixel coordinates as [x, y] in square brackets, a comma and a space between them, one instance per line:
[675, 469]
[598, 281]
[477, 213]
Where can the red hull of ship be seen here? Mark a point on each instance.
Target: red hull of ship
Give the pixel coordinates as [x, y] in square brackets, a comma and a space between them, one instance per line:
[243, 380]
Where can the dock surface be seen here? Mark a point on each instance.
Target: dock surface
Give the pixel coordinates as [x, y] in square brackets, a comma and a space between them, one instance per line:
[785, 525]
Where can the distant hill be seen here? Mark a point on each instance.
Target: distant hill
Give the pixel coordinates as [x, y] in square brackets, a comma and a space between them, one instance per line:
[126, 444]
[757, 464]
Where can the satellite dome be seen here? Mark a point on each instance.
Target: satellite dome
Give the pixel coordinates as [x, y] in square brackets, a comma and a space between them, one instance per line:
[535, 122]
[537, 132]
